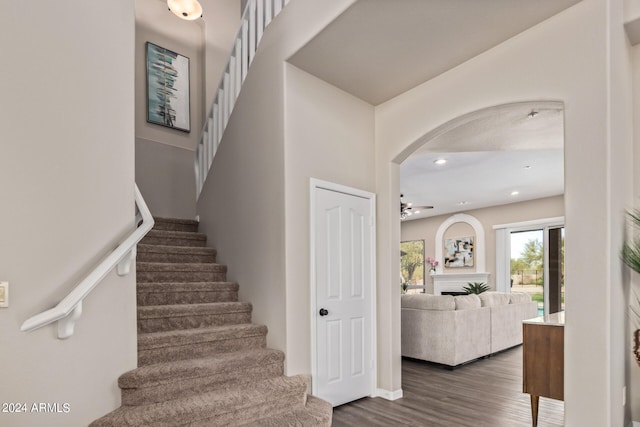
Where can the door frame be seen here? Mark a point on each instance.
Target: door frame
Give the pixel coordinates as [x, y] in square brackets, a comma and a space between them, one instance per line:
[317, 184]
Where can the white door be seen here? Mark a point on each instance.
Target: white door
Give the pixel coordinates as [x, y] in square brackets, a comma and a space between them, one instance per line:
[344, 285]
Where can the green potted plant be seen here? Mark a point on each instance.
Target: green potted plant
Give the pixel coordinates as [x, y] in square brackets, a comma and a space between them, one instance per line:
[476, 287]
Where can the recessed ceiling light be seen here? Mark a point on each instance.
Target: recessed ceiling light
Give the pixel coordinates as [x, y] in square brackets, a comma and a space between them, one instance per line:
[515, 193]
[464, 202]
[416, 212]
[440, 161]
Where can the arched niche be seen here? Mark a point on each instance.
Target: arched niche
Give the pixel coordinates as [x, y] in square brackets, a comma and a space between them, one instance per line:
[456, 281]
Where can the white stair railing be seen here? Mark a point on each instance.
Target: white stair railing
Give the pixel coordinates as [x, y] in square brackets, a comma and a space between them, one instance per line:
[257, 15]
[69, 309]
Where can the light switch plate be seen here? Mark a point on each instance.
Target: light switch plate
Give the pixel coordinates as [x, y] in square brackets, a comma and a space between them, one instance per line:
[4, 294]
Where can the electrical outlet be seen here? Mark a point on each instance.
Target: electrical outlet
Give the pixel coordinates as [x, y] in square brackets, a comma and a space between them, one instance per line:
[4, 294]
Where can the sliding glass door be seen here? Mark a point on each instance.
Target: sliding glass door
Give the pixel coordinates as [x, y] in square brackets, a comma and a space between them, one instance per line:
[537, 266]
[530, 258]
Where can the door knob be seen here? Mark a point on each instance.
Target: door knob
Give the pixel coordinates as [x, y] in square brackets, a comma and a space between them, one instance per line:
[323, 312]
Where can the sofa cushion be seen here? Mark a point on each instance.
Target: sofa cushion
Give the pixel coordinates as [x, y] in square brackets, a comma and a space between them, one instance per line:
[428, 302]
[494, 299]
[466, 302]
[519, 297]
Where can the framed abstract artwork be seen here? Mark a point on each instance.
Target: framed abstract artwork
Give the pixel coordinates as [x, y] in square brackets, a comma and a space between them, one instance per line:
[458, 252]
[167, 88]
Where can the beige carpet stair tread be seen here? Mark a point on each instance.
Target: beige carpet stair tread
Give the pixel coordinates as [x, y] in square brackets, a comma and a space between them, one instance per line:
[174, 238]
[201, 360]
[176, 249]
[156, 318]
[165, 372]
[175, 224]
[187, 286]
[181, 267]
[171, 293]
[186, 310]
[213, 334]
[172, 380]
[175, 254]
[236, 406]
[185, 272]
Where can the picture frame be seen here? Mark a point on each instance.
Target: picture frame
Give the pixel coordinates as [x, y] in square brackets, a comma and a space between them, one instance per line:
[168, 101]
[458, 252]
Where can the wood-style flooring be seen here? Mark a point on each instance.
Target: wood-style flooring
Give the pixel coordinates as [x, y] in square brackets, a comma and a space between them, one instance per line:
[487, 392]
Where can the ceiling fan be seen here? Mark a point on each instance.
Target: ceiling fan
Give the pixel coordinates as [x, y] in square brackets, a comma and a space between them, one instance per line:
[407, 209]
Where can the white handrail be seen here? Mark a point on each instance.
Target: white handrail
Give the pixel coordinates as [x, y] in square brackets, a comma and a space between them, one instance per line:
[69, 309]
[258, 14]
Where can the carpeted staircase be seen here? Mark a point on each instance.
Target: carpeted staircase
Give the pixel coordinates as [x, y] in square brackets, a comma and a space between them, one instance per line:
[201, 360]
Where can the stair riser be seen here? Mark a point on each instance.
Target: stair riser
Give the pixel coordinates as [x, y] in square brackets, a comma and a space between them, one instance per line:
[169, 298]
[180, 276]
[175, 258]
[193, 321]
[172, 241]
[191, 386]
[175, 226]
[198, 349]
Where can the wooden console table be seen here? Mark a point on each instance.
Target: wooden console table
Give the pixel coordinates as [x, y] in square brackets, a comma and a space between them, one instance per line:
[543, 359]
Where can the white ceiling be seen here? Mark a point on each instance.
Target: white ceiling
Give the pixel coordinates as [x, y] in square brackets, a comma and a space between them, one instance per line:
[489, 156]
[378, 49]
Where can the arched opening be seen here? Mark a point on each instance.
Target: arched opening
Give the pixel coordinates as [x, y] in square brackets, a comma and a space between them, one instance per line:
[499, 165]
[495, 166]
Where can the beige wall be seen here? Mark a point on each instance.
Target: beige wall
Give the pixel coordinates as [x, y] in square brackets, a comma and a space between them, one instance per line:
[549, 61]
[242, 205]
[155, 24]
[328, 136]
[516, 212]
[67, 190]
[164, 156]
[165, 177]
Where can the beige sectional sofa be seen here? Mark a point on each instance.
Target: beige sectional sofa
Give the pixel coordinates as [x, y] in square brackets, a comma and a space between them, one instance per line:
[452, 330]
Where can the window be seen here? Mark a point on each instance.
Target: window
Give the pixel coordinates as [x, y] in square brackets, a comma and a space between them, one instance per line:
[412, 266]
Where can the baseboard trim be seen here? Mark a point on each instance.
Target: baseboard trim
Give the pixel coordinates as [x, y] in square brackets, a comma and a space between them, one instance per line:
[393, 395]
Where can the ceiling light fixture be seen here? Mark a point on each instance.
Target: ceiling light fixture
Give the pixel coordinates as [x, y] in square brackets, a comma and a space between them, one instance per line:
[185, 9]
[440, 161]
[532, 114]
[515, 193]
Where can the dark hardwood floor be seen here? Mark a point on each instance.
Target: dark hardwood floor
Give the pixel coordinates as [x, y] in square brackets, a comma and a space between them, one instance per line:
[486, 392]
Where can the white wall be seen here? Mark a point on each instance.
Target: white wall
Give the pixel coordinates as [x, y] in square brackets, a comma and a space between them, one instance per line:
[565, 58]
[242, 204]
[328, 136]
[425, 229]
[66, 185]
